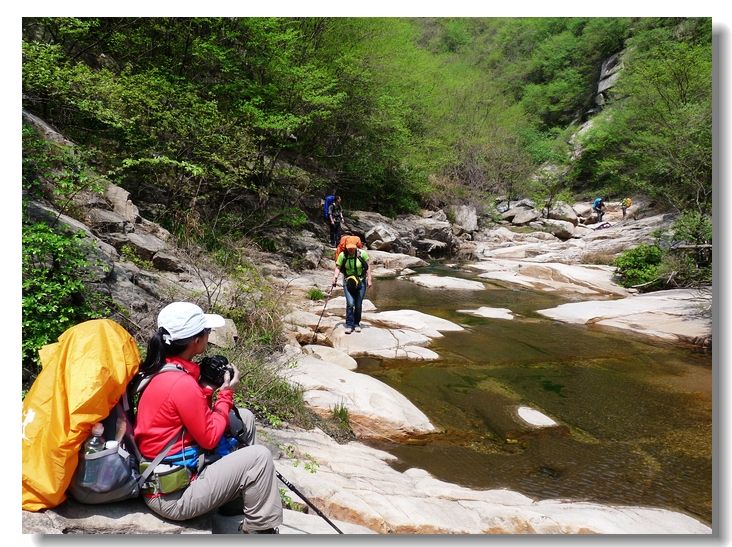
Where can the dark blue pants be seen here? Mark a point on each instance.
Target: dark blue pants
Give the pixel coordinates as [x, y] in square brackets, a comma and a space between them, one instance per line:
[354, 304]
[335, 233]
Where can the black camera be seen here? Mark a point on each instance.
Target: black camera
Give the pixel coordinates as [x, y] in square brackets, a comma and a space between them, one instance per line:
[214, 368]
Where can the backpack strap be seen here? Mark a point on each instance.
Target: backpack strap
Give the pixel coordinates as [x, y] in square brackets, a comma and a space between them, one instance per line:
[124, 404]
[147, 379]
[364, 264]
[122, 411]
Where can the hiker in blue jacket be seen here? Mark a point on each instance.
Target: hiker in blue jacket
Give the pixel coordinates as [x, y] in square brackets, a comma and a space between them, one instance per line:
[327, 202]
[335, 217]
[599, 207]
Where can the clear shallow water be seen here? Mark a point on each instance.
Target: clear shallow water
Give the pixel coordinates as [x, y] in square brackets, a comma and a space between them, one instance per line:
[636, 415]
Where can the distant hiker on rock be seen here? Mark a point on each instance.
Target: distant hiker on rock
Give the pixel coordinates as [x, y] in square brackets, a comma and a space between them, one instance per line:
[599, 207]
[352, 261]
[625, 205]
[335, 218]
[176, 409]
[327, 202]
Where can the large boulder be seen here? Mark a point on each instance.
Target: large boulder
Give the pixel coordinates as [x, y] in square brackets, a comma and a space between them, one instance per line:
[559, 228]
[106, 221]
[121, 203]
[132, 517]
[382, 237]
[525, 216]
[143, 245]
[466, 216]
[331, 355]
[563, 211]
[395, 261]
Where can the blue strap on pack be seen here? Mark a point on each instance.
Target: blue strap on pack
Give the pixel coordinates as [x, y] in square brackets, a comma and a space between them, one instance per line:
[187, 457]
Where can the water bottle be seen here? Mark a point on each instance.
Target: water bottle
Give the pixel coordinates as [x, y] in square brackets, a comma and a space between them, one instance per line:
[95, 443]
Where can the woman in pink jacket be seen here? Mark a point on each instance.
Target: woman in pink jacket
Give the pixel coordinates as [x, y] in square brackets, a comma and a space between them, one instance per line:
[175, 407]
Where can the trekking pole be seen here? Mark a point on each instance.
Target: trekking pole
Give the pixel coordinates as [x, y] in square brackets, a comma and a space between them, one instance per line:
[321, 314]
[318, 511]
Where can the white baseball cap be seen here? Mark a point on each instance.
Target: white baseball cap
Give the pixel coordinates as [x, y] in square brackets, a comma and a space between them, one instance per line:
[184, 319]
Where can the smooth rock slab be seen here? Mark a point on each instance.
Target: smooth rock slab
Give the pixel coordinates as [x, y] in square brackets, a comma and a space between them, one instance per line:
[554, 276]
[493, 313]
[426, 324]
[356, 483]
[331, 355]
[444, 282]
[293, 522]
[125, 517]
[675, 315]
[301, 318]
[133, 517]
[375, 409]
[379, 342]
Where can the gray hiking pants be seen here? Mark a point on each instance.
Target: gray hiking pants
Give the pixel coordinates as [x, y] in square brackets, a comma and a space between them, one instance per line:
[246, 475]
[249, 425]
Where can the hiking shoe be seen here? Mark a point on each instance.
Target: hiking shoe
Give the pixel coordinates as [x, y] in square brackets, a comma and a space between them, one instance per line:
[274, 530]
[349, 330]
[358, 328]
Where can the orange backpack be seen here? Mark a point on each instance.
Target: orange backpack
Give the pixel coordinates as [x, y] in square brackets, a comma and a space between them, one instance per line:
[347, 240]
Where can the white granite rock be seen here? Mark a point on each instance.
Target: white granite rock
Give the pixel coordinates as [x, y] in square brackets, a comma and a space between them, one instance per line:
[426, 324]
[675, 315]
[355, 483]
[443, 282]
[331, 355]
[533, 417]
[493, 313]
[376, 341]
[375, 409]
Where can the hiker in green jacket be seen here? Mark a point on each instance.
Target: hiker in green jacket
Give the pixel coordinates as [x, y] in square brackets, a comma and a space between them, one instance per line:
[625, 205]
[353, 263]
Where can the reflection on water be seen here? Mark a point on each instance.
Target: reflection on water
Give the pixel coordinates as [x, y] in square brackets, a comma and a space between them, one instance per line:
[636, 416]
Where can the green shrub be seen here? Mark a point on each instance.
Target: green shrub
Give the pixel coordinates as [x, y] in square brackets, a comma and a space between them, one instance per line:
[682, 269]
[692, 266]
[128, 253]
[639, 265]
[288, 503]
[694, 228]
[55, 172]
[341, 416]
[263, 389]
[56, 293]
[315, 294]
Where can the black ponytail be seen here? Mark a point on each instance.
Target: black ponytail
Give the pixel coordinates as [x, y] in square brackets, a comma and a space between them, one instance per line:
[158, 350]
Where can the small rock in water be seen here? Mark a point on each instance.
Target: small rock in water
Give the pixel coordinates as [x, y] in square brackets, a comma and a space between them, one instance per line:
[534, 417]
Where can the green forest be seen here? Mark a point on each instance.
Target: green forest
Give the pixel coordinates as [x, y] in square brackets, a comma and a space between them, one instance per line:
[222, 128]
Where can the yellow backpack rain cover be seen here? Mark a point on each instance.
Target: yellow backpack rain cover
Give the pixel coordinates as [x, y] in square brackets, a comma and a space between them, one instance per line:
[83, 376]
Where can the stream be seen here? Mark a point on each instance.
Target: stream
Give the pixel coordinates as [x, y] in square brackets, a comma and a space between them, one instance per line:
[635, 414]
